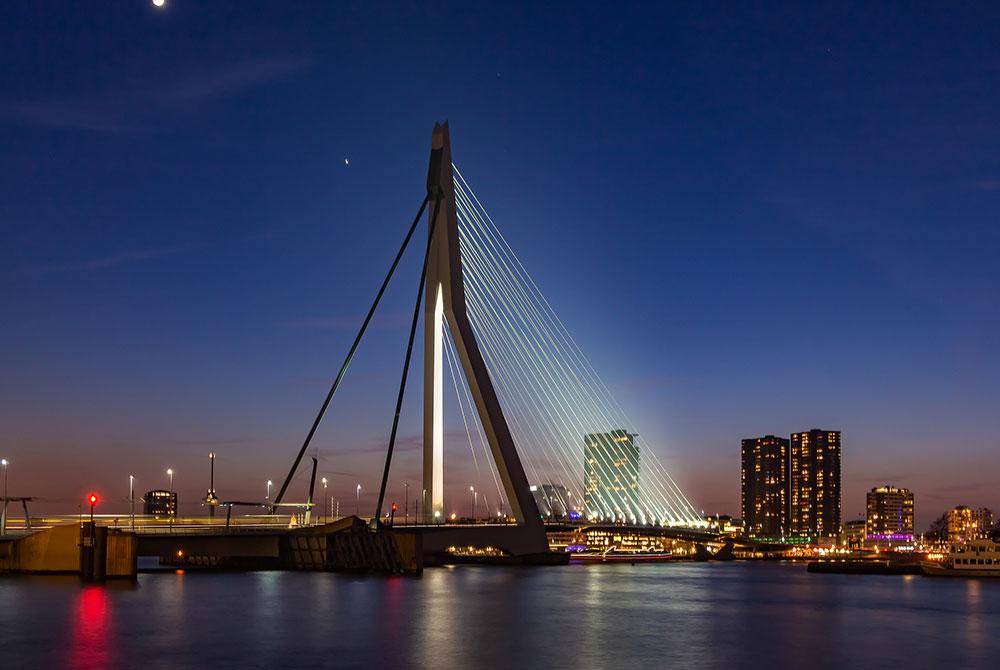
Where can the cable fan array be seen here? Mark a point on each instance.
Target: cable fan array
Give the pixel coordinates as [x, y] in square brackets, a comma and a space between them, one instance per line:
[572, 435]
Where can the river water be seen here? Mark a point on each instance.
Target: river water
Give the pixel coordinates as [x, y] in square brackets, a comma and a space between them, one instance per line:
[685, 615]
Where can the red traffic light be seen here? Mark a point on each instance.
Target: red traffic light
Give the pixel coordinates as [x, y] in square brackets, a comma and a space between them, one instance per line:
[394, 507]
[92, 499]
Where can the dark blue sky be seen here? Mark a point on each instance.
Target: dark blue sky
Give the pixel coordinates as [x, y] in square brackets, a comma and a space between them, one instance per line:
[753, 220]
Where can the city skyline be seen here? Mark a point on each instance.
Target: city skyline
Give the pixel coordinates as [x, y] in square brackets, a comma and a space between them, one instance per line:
[179, 279]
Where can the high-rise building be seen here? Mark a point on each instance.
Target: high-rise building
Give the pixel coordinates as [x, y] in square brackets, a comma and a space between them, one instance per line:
[890, 514]
[611, 475]
[160, 503]
[764, 478]
[814, 485]
[965, 523]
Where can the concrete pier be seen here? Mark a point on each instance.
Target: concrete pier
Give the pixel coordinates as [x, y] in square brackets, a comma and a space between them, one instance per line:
[72, 549]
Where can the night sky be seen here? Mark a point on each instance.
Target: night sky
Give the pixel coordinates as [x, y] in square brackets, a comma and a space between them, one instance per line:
[752, 221]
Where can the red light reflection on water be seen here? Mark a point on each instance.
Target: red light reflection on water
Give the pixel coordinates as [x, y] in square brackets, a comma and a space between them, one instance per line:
[92, 629]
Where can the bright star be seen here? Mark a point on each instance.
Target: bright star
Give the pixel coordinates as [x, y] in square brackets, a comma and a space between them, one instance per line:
[347, 162]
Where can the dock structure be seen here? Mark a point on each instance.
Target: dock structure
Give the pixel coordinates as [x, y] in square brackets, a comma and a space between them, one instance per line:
[94, 552]
[98, 552]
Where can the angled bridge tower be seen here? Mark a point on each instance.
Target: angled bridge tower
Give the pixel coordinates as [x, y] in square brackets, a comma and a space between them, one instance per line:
[444, 307]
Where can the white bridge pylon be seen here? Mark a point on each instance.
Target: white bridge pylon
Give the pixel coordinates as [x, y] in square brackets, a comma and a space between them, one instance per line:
[445, 307]
[528, 381]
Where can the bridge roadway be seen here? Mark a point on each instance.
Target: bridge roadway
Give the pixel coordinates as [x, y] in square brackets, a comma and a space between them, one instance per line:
[246, 539]
[273, 542]
[430, 541]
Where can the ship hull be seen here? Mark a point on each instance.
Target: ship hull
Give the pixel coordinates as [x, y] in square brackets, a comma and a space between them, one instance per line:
[935, 570]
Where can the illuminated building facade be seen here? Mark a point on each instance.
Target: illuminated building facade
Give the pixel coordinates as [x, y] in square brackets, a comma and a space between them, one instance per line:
[160, 503]
[611, 475]
[890, 514]
[814, 485]
[965, 523]
[764, 480]
[853, 534]
[724, 524]
[553, 500]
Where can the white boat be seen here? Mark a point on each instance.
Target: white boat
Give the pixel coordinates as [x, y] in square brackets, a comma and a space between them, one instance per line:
[973, 558]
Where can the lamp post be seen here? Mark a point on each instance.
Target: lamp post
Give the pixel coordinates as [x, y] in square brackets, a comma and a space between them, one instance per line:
[326, 501]
[131, 500]
[406, 503]
[267, 497]
[472, 490]
[3, 515]
[210, 498]
[357, 503]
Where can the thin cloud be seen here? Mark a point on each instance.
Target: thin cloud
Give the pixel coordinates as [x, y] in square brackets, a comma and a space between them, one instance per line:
[655, 381]
[880, 481]
[390, 320]
[378, 445]
[130, 108]
[232, 79]
[80, 114]
[988, 185]
[185, 442]
[964, 488]
[107, 262]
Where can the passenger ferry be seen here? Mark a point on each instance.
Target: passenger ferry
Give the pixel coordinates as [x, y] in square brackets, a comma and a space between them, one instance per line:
[614, 555]
[973, 558]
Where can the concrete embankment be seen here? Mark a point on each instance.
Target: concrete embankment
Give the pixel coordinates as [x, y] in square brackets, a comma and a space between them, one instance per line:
[95, 553]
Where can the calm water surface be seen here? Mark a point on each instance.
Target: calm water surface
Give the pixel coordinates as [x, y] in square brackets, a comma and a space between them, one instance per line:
[732, 615]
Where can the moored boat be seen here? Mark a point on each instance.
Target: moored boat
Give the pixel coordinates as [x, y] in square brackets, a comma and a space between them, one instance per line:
[620, 557]
[973, 558]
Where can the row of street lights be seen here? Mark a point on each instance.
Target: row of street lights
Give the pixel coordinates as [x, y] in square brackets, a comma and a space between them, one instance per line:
[328, 500]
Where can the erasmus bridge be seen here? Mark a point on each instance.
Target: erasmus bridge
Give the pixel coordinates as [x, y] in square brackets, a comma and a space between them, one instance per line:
[526, 393]
[533, 410]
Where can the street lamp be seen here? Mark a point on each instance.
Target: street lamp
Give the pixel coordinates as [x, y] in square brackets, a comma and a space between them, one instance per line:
[131, 500]
[211, 473]
[3, 515]
[357, 503]
[269, 485]
[472, 490]
[406, 503]
[326, 501]
[210, 498]
[170, 473]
